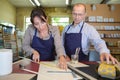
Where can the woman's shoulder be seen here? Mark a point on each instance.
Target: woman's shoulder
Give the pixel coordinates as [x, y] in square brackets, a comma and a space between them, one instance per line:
[30, 27]
[53, 28]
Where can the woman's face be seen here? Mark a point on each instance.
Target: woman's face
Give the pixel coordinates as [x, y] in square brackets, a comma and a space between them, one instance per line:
[39, 24]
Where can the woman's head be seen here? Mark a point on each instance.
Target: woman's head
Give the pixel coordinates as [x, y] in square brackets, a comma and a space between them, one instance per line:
[39, 19]
[38, 12]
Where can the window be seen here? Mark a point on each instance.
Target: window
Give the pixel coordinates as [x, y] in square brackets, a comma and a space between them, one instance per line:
[60, 21]
[27, 22]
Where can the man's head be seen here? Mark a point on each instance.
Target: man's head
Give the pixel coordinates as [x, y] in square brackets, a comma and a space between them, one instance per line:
[78, 13]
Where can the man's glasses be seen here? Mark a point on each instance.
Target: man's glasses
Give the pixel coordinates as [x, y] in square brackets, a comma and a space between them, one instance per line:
[76, 14]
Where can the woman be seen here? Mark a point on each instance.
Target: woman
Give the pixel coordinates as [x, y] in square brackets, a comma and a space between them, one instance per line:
[42, 40]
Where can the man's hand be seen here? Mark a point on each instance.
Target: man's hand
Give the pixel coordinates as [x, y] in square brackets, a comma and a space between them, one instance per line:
[36, 56]
[108, 58]
[62, 62]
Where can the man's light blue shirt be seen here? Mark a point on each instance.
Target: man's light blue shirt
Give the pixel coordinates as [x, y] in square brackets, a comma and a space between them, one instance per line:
[89, 36]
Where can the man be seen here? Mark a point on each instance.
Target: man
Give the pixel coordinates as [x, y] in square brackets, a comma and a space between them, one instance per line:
[81, 34]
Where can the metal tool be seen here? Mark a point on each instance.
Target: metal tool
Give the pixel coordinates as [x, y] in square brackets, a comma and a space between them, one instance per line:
[77, 51]
[80, 73]
[59, 71]
[74, 75]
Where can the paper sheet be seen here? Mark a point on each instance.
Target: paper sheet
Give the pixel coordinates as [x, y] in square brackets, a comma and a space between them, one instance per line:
[78, 64]
[15, 76]
[43, 73]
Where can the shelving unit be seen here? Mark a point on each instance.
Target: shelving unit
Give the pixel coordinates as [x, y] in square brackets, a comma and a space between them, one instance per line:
[9, 39]
[110, 32]
[1, 37]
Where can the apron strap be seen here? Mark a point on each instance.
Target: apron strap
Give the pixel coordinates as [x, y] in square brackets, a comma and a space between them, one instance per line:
[81, 28]
[35, 32]
[68, 28]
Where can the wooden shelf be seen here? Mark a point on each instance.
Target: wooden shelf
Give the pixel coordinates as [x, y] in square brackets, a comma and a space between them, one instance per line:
[111, 38]
[116, 47]
[100, 22]
[0, 31]
[117, 53]
[110, 47]
[108, 30]
[5, 34]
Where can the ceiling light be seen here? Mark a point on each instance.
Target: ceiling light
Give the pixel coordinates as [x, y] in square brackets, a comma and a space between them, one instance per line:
[32, 2]
[35, 2]
[67, 2]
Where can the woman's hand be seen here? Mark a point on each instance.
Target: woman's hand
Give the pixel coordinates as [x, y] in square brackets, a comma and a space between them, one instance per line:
[36, 56]
[62, 62]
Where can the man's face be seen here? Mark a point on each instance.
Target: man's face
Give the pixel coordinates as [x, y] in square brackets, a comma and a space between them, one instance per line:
[78, 14]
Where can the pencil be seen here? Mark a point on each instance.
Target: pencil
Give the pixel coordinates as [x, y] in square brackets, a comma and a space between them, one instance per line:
[59, 71]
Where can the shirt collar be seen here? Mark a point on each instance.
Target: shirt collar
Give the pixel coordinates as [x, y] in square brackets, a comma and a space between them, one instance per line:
[80, 24]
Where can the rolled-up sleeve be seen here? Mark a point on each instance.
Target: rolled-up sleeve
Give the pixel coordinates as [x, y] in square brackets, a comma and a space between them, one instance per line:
[98, 43]
[26, 44]
[57, 41]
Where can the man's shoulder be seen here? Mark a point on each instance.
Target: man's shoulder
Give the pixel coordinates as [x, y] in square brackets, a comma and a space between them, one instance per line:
[67, 26]
[89, 26]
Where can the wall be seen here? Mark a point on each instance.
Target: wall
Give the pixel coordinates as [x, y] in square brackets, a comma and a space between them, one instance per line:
[102, 10]
[58, 12]
[7, 12]
[22, 12]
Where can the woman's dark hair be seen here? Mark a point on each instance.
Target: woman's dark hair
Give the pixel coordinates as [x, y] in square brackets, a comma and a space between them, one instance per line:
[39, 13]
